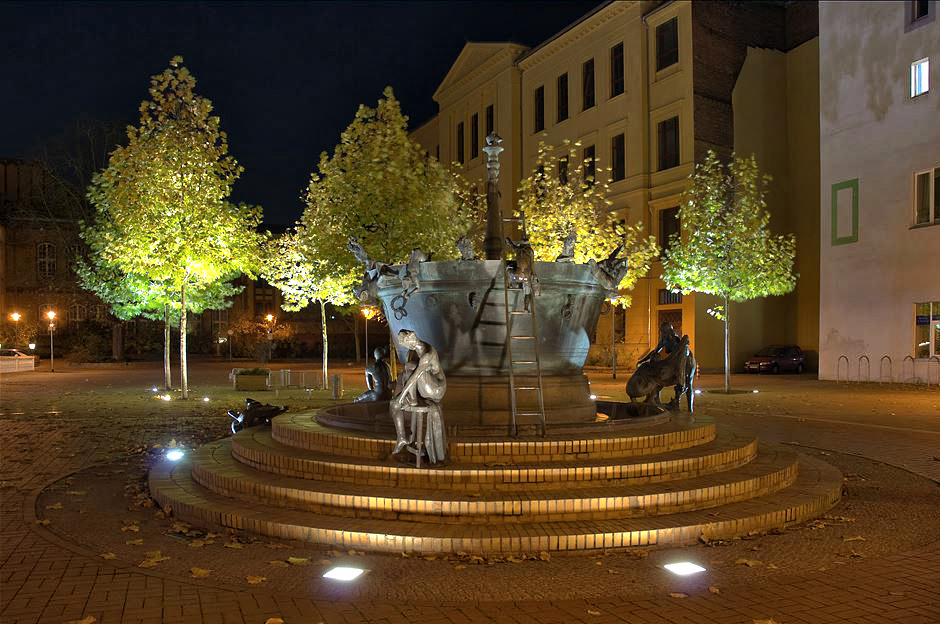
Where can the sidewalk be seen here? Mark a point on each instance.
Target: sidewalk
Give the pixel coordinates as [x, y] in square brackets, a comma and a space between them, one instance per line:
[45, 579]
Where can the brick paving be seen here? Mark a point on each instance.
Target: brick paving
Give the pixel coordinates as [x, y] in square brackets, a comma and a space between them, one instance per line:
[45, 579]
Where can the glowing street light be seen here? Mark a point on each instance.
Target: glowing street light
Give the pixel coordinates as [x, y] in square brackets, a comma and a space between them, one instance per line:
[51, 316]
[15, 317]
[269, 318]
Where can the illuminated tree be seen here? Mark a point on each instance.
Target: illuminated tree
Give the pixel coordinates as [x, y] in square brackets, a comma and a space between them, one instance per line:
[161, 208]
[382, 188]
[728, 249]
[294, 268]
[559, 199]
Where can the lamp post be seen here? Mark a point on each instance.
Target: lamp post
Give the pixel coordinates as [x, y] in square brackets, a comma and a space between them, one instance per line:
[230, 333]
[367, 313]
[51, 316]
[15, 317]
[270, 328]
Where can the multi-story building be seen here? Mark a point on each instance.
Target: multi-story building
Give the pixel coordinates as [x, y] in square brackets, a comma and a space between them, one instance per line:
[647, 88]
[880, 193]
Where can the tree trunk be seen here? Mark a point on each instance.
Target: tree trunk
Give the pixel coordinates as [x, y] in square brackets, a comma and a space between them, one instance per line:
[167, 374]
[184, 373]
[727, 346]
[326, 379]
[355, 325]
[117, 341]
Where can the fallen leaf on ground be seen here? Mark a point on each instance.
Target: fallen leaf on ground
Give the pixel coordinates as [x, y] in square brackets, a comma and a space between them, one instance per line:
[54, 506]
[895, 593]
[600, 563]
[130, 528]
[76, 492]
[768, 621]
[714, 589]
[274, 621]
[88, 619]
[279, 564]
[353, 553]
[233, 545]
[856, 555]
[134, 542]
[678, 595]
[197, 543]
[544, 556]
[854, 538]
[199, 572]
[325, 562]
[43, 522]
[593, 612]
[459, 567]
[108, 555]
[751, 563]
[255, 580]
[298, 561]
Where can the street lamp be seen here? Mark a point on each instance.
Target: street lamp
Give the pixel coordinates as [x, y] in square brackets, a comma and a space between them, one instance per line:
[270, 330]
[368, 313]
[51, 316]
[15, 317]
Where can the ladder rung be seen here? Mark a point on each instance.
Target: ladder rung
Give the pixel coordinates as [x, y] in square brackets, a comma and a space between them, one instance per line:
[519, 312]
[512, 219]
[528, 388]
[528, 413]
[523, 337]
[524, 362]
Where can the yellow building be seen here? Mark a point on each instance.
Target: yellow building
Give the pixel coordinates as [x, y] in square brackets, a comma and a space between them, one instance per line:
[647, 88]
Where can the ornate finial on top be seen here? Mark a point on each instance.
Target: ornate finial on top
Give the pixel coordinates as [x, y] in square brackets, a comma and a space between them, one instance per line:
[492, 150]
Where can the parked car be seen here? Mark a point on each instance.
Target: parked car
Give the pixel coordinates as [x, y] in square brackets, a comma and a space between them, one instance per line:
[776, 359]
[14, 360]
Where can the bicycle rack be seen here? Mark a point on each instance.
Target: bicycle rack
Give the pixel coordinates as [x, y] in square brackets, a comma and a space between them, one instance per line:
[913, 377]
[881, 369]
[937, 360]
[867, 368]
[839, 367]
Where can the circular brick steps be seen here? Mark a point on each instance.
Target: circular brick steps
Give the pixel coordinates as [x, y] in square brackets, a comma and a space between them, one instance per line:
[650, 484]
[214, 468]
[257, 449]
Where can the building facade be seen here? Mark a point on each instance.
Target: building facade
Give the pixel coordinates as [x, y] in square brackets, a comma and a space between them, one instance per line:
[646, 88]
[880, 191]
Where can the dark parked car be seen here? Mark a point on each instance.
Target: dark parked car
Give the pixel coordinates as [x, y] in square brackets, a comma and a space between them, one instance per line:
[776, 359]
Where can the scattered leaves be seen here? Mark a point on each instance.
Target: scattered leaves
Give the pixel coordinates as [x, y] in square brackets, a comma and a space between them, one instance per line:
[593, 612]
[255, 580]
[55, 506]
[88, 619]
[279, 564]
[298, 561]
[199, 572]
[42, 522]
[678, 595]
[108, 555]
[854, 538]
[714, 589]
[134, 542]
[233, 545]
[76, 492]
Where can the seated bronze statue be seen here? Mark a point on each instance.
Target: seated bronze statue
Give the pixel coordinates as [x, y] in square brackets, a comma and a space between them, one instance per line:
[421, 388]
[378, 379]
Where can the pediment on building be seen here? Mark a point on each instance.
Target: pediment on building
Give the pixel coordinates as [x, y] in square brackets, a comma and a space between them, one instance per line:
[475, 60]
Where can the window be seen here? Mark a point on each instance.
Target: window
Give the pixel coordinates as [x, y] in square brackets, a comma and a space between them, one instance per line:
[673, 317]
[45, 260]
[618, 158]
[490, 119]
[77, 313]
[844, 220]
[101, 313]
[587, 84]
[562, 92]
[668, 225]
[669, 143]
[927, 197]
[540, 109]
[474, 136]
[668, 297]
[616, 70]
[264, 300]
[667, 44]
[920, 80]
[563, 170]
[590, 165]
[927, 329]
[919, 9]
[460, 156]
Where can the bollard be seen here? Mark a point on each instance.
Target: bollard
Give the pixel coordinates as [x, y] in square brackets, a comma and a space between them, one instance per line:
[337, 386]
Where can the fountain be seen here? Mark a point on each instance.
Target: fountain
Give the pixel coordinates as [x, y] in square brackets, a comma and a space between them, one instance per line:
[529, 460]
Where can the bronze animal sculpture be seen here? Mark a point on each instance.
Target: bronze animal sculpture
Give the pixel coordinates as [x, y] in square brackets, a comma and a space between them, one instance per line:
[652, 375]
[255, 413]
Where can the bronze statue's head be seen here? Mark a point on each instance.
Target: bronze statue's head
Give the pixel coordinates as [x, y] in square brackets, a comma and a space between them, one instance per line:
[407, 338]
[379, 353]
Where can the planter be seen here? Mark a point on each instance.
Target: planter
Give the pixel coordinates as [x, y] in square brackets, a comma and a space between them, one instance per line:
[251, 382]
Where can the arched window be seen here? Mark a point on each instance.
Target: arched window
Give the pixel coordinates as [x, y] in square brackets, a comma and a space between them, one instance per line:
[77, 313]
[45, 260]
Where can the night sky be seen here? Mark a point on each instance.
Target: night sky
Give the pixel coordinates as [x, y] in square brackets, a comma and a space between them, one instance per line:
[286, 78]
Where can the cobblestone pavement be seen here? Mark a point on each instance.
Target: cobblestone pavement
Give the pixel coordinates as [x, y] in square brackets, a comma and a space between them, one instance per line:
[50, 428]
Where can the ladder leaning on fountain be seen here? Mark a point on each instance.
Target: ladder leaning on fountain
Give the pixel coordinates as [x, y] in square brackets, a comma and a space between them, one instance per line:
[533, 337]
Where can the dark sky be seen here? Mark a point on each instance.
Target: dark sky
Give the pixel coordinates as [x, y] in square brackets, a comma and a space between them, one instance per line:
[286, 78]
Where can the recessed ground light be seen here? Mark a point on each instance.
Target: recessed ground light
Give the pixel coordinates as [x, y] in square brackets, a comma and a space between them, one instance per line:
[755, 391]
[698, 391]
[684, 568]
[154, 389]
[206, 399]
[343, 574]
[174, 454]
[593, 397]
[167, 397]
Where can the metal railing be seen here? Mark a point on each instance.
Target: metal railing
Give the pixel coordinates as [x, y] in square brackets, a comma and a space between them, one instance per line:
[881, 369]
[935, 359]
[913, 377]
[867, 368]
[839, 368]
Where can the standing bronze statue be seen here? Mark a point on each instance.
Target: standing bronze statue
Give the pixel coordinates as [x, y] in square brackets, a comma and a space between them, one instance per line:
[654, 373]
[420, 390]
[378, 379]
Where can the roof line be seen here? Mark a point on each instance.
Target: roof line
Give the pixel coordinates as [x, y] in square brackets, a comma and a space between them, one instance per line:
[564, 30]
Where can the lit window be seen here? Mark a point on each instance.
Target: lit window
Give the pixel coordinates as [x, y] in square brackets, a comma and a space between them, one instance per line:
[927, 329]
[927, 197]
[45, 260]
[920, 80]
